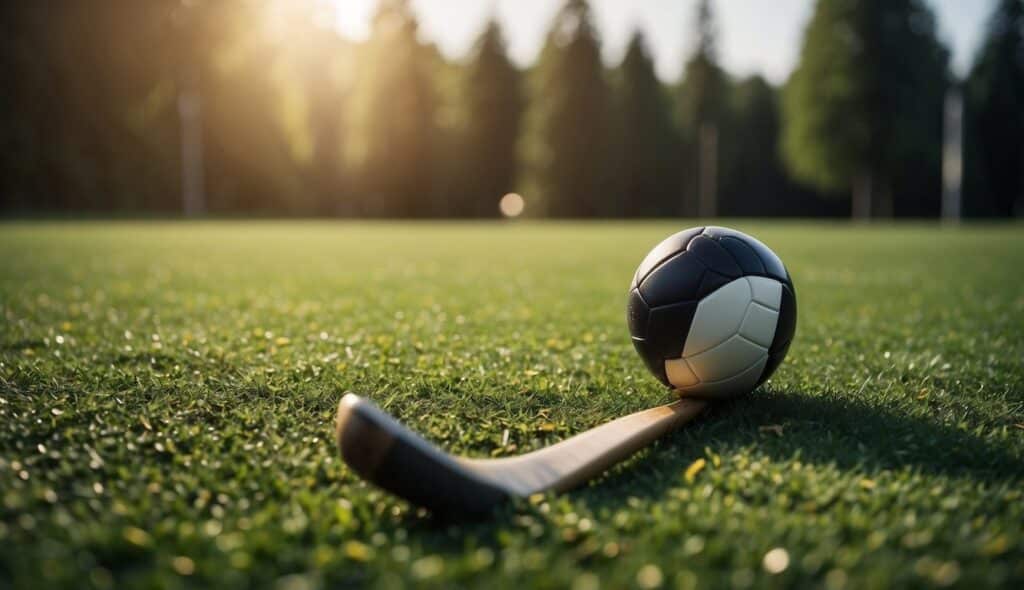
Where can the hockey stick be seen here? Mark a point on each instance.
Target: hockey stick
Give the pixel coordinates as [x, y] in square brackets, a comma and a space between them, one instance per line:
[394, 458]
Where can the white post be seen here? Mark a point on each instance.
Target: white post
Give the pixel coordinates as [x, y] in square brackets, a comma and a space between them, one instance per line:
[952, 157]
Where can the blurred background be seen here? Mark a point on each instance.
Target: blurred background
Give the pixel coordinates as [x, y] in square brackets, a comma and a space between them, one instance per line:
[542, 108]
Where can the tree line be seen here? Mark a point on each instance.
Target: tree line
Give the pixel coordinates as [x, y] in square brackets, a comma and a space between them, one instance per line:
[255, 107]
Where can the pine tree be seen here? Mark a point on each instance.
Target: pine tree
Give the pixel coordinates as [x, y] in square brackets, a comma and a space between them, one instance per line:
[702, 102]
[866, 100]
[647, 148]
[495, 104]
[995, 123]
[754, 181]
[566, 150]
[73, 135]
[395, 109]
[321, 71]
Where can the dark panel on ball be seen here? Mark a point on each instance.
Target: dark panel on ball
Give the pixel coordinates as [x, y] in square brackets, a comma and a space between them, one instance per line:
[636, 315]
[748, 260]
[773, 267]
[786, 326]
[668, 328]
[652, 359]
[711, 282]
[784, 331]
[774, 360]
[714, 256]
[674, 281]
[667, 248]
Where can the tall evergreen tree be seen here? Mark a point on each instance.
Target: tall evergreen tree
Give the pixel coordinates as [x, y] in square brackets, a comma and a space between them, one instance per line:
[326, 126]
[83, 124]
[702, 104]
[754, 181]
[863, 109]
[321, 68]
[995, 117]
[567, 147]
[395, 109]
[95, 108]
[495, 104]
[29, 172]
[245, 151]
[647, 148]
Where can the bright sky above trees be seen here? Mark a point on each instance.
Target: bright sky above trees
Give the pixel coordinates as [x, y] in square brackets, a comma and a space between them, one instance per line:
[755, 36]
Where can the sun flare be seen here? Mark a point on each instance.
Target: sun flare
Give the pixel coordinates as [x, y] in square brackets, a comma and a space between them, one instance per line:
[352, 18]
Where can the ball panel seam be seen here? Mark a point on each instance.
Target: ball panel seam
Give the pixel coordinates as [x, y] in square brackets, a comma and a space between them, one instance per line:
[737, 384]
[718, 316]
[681, 247]
[709, 364]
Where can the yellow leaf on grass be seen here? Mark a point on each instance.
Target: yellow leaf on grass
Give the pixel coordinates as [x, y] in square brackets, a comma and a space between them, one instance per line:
[357, 551]
[996, 546]
[136, 536]
[694, 469]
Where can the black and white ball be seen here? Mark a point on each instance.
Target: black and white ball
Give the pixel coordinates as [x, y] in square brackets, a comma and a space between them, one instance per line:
[712, 311]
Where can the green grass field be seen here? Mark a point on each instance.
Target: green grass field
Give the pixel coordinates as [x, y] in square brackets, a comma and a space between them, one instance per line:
[167, 393]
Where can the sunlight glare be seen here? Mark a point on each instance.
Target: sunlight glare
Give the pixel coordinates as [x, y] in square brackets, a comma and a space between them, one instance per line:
[353, 17]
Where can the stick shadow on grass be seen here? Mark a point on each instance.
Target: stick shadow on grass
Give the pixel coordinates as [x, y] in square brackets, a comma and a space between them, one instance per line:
[849, 434]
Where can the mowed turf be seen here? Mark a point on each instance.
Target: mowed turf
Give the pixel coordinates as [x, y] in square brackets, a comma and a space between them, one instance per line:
[167, 393]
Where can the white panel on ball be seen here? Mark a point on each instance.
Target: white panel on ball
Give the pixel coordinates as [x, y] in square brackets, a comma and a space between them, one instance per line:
[759, 325]
[736, 385]
[766, 291]
[726, 360]
[679, 373]
[718, 317]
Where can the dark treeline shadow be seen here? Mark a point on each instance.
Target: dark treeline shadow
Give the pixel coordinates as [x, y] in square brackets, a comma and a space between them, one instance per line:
[239, 107]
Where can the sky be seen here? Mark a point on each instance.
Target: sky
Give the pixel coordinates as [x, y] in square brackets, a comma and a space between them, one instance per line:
[755, 36]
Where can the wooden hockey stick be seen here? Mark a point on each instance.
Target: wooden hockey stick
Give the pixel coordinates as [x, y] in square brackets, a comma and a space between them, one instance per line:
[394, 458]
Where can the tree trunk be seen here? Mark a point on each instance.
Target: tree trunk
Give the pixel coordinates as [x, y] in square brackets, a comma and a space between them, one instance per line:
[192, 180]
[862, 196]
[708, 175]
[884, 205]
[1017, 202]
[952, 157]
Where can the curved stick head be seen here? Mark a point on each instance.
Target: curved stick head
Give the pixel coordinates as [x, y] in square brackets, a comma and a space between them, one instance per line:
[392, 457]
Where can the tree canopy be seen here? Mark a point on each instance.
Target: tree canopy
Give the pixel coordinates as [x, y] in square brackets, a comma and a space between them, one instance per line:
[494, 102]
[995, 105]
[702, 104]
[263, 107]
[646, 143]
[567, 145]
[865, 98]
